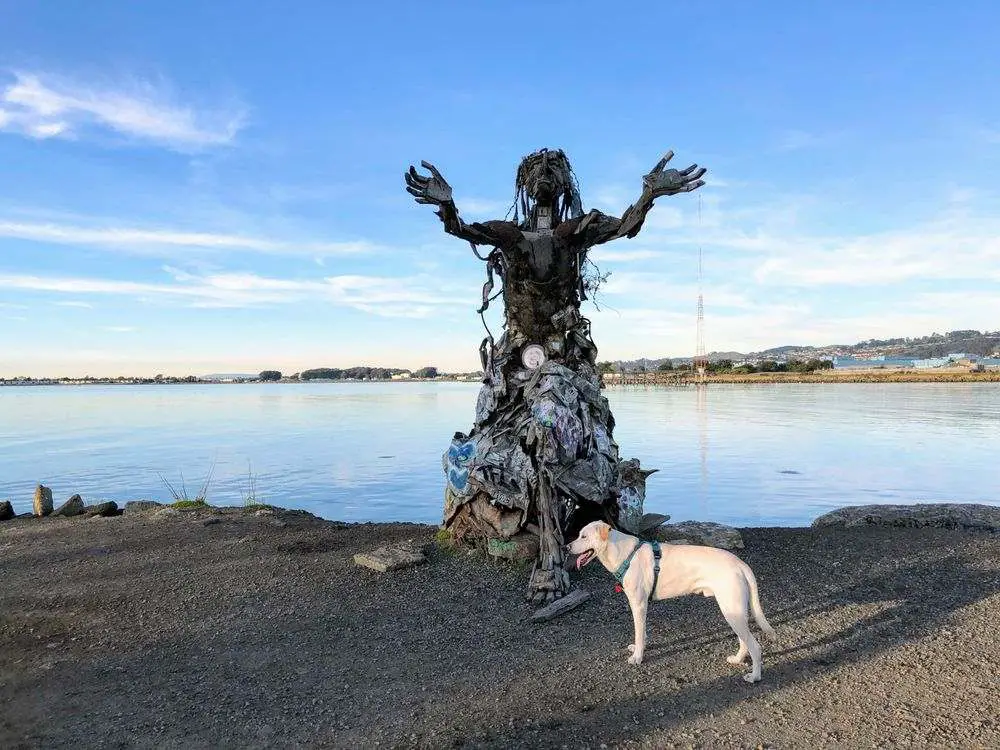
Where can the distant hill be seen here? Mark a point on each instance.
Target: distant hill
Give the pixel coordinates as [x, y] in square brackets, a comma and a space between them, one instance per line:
[981, 343]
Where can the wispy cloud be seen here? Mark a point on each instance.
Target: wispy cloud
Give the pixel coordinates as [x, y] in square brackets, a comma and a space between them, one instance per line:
[41, 105]
[138, 239]
[945, 249]
[604, 255]
[411, 297]
[73, 303]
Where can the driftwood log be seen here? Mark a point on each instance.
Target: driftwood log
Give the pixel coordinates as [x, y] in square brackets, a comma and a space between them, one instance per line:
[541, 455]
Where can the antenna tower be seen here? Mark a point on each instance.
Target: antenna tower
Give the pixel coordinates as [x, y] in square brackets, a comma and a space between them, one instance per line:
[700, 358]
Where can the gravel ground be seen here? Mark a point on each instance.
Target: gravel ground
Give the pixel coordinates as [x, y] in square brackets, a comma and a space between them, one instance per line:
[138, 631]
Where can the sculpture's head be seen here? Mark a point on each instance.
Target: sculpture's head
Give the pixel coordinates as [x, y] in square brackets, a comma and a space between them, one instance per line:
[545, 178]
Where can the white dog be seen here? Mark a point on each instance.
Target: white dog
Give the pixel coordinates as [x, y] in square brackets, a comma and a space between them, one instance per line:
[677, 570]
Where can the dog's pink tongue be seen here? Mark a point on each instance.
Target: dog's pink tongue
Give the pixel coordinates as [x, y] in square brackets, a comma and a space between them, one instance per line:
[583, 560]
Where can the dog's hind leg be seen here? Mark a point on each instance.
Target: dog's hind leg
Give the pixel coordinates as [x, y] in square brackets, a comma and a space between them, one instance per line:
[740, 656]
[734, 609]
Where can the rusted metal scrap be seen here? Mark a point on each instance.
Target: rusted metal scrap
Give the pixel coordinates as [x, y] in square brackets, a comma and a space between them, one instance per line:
[541, 455]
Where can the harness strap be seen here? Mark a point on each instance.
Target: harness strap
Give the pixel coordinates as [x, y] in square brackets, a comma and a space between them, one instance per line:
[623, 568]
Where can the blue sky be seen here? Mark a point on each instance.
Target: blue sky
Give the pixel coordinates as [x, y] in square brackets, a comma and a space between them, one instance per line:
[193, 187]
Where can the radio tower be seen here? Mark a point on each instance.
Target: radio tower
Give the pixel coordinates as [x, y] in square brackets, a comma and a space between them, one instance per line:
[700, 358]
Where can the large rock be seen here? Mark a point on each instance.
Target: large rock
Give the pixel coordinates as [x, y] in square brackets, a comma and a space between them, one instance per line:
[43, 500]
[107, 508]
[707, 533]
[72, 507]
[141, 506]
[522, 546]
[6, 510]
[388, 558]
[937, 515]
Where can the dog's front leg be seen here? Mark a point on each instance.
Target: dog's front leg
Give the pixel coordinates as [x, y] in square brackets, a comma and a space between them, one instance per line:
[638, 647]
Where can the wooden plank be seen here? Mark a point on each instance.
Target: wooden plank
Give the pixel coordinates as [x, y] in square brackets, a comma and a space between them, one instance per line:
[572, 600]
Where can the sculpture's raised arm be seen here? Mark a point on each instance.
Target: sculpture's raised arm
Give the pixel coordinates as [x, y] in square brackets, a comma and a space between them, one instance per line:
[599, 228]
[436, 191]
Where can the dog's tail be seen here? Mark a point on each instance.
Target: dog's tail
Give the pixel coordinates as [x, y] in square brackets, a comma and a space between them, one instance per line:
[758, 613]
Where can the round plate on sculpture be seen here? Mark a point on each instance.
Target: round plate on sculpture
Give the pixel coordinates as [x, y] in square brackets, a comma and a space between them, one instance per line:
[533, 356]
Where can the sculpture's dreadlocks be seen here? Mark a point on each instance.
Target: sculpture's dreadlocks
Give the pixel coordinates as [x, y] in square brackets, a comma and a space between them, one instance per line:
[565, 188]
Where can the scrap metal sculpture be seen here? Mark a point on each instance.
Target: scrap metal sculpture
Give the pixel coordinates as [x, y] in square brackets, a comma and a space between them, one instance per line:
[541, 460]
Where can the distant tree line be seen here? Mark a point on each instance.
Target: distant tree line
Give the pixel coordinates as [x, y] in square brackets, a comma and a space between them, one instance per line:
[362, 373]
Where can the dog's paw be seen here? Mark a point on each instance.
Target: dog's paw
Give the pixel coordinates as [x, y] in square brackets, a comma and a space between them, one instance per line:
[631, 648]
[734, 659]
[635, 658]
[751, 677]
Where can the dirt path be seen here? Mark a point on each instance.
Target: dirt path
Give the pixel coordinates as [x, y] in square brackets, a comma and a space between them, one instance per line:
[136, 632]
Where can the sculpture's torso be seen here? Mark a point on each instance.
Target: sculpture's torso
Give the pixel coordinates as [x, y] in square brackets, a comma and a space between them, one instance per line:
[541, 278]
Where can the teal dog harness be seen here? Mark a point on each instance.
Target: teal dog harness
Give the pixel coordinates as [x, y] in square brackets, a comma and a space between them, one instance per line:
[623, 568]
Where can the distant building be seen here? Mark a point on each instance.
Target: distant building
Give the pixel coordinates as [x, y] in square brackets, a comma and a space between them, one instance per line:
[402, 376]
[927, 364]
[881, 361]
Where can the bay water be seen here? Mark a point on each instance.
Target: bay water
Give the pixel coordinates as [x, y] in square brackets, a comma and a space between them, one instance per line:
[747, 455]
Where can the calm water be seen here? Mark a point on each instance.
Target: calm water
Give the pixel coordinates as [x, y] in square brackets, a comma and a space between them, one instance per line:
[745, 455]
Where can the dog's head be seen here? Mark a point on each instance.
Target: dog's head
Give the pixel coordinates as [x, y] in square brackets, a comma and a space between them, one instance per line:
[591, 542]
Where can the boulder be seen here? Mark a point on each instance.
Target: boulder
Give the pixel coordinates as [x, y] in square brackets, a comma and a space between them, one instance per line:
[43, 500]
[521, 546]
[707, 533]
[107, 508]
[72, 507]
[936, 515]
[385, 559]
[6, 510]
[141, 506]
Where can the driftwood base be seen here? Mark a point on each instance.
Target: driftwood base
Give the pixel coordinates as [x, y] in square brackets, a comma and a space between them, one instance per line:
[571, 601]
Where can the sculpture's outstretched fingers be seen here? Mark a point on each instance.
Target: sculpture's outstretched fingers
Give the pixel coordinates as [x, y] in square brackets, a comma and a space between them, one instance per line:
[433, 170]
[415, 179]
[662, 162]
[693, 186]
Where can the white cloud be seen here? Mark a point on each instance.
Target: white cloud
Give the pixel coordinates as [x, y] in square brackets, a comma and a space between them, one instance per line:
[602, 254]
[947, 249]
[73, 303]
[45, 106]
[415, 296]
[136, 239]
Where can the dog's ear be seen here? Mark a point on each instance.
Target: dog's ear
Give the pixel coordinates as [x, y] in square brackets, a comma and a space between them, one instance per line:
[603, 532]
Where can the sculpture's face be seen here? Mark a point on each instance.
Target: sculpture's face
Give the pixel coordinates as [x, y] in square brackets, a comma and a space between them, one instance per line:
[545, 174]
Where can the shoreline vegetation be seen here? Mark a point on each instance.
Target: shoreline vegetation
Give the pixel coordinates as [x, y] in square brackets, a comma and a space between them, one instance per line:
[657, 378]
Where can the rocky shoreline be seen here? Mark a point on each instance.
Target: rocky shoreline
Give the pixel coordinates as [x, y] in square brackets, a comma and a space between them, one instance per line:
[254, 627]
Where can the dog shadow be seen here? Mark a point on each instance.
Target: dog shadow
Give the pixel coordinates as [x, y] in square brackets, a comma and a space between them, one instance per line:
[913, 600]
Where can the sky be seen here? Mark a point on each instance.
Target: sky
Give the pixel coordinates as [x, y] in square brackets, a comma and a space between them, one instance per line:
[192, 187]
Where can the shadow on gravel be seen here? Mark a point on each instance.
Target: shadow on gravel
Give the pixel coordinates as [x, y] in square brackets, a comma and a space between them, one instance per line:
[919, 599]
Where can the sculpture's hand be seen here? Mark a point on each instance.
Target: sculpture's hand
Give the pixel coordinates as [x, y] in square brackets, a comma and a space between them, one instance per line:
[434, 189]
[662, 181]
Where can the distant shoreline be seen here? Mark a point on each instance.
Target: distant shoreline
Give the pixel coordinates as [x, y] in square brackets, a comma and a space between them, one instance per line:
[950, 375]
[666, 378]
